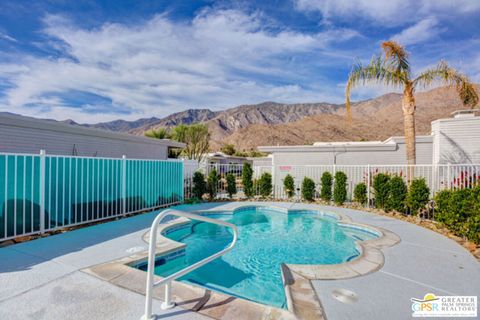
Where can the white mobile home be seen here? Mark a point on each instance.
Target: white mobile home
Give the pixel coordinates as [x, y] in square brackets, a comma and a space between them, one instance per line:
[28, 135]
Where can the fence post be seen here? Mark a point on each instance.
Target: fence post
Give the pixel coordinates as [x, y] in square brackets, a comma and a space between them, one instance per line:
[434, 172]
[273, 177]
[124, 184]
[42, 191]
[184, 181]
[368, 186]
[449, 177]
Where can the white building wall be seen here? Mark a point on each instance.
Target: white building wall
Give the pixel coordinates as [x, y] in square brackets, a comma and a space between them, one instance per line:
[457, 140]
[395, 154]
[261, 162]
[27, 135]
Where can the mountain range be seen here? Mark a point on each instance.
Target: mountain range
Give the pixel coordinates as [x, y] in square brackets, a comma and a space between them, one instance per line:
[271, 123]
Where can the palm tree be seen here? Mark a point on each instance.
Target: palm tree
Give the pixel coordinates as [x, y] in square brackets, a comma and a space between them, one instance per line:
[394, 70]
[160, 133]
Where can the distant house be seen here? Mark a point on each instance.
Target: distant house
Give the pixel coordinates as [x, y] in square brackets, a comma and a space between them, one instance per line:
[453, 140]
[20, 134]
[222, 158]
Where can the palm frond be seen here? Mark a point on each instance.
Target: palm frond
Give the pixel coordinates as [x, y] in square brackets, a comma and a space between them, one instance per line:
[397, 54]
[377, 71]
[443, 73]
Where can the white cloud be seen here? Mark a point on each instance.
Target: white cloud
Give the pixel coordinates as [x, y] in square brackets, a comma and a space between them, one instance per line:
[391, 12]
[7, 37]
[160, 66]
[425, 29]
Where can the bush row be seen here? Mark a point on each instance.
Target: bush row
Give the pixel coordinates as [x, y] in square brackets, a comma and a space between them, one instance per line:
[339, 194]
[392, 193]
[209, 185]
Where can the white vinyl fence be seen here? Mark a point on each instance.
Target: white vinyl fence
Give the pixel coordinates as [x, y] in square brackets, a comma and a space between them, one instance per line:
[40, 193]
[438, 177]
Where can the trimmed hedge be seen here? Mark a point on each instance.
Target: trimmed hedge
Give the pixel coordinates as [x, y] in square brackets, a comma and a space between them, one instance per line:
[265, 184]
[231, 185]
[289, 186]
[247, 174]
[459, 211]
[340, 188]
[360, 193]
[212, 183]
[199, 185]
[326, 190]
[380, 188]
[397, 193]
[308, 189]
[418, 195]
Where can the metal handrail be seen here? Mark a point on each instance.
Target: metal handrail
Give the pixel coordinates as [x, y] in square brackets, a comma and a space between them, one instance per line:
[167, 304]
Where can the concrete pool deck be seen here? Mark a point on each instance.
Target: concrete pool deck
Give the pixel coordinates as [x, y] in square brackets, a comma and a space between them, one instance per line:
[43, 278]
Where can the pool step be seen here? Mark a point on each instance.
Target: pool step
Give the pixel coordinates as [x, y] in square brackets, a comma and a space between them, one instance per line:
[302, 299]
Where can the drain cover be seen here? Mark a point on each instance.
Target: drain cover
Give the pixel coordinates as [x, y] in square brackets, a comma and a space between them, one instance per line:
[345, 296]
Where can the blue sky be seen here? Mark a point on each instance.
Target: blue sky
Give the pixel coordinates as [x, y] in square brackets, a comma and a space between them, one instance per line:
[96, 61]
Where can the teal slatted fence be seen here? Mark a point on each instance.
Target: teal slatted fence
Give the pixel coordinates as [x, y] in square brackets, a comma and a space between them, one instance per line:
[41, 193]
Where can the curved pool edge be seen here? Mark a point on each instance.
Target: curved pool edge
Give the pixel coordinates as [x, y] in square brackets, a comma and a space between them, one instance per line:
[302, 300]
[370, 256]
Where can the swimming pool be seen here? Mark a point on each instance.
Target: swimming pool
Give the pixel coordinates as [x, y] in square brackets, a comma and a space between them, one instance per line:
[267, 238]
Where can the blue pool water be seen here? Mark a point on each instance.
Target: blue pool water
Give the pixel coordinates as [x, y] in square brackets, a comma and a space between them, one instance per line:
[267, 238]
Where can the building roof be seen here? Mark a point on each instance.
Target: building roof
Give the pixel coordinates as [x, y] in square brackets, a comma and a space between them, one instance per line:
[222, 155]
[48, 125]
[386, 145]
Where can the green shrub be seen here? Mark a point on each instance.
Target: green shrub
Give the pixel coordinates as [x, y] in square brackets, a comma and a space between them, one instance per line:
[380, 188]
[308, 189]
[265, 184]
[326, 190]
[289, 186]
[247, 181]
[454, 209]
[340, 187]
[397, 193]
[212, 183]
[360, 193]
[231, 185]
[418, 195]
[442, 199]
[199, 185]
[459, 211]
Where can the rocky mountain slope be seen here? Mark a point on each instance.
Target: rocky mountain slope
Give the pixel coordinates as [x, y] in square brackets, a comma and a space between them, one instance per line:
[375, 119]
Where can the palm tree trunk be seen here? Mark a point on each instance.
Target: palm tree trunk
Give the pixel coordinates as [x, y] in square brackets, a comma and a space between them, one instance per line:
[408, 106]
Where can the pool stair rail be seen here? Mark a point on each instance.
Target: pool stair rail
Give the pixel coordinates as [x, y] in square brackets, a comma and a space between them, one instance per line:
[167, 281]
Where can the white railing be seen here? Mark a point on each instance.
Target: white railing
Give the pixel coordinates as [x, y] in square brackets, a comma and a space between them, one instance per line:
[167, 304]
[438, 177]
[41, 193]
